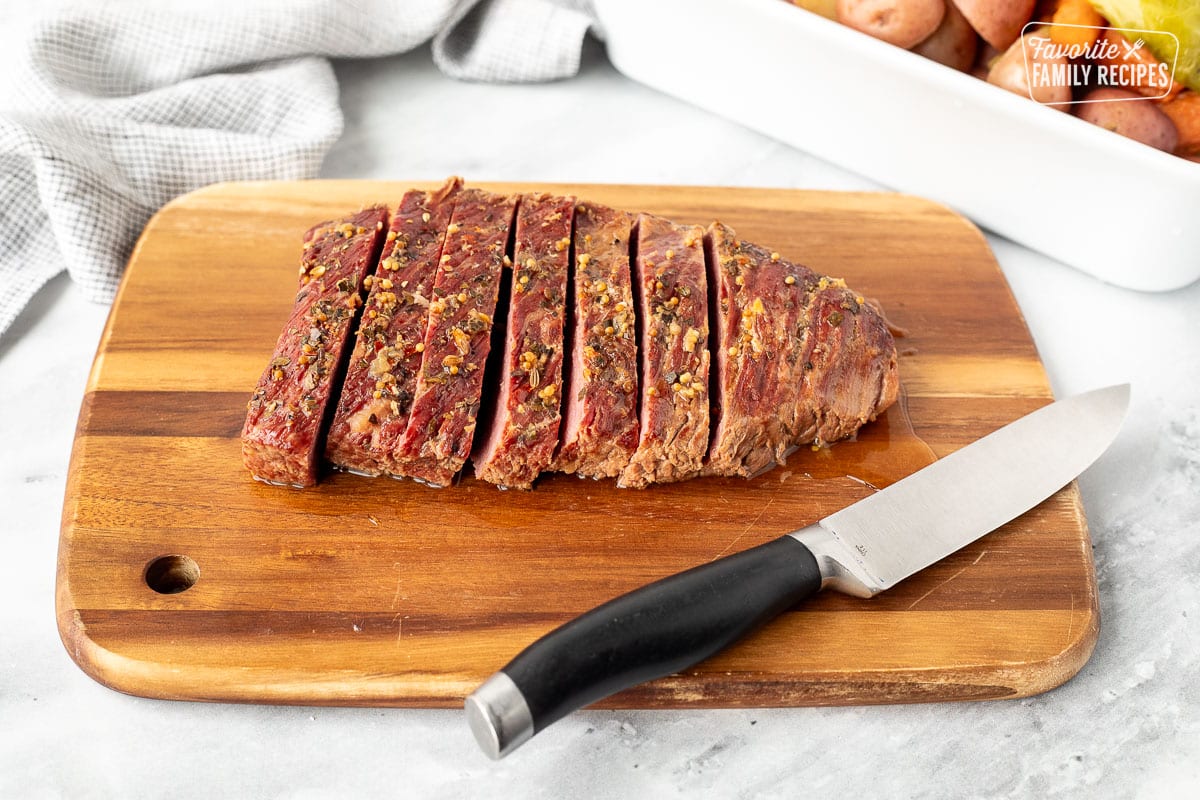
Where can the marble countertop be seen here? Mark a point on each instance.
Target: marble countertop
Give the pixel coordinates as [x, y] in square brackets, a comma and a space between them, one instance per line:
[1127, 726]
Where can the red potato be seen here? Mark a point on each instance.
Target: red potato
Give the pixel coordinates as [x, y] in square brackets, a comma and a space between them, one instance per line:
[1130, 115]
[1044, 10]
[1010, 72]
[903, 23]
[954, 43]
[999, 22]
[984, 58]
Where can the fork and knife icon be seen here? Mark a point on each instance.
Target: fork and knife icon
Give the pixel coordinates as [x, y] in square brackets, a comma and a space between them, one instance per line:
[1132, 48]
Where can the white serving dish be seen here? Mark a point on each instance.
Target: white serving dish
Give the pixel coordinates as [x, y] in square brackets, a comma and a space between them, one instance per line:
[1106, 205]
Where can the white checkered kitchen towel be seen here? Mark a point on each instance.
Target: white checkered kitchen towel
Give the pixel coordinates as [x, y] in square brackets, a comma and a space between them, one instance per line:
[108, 110]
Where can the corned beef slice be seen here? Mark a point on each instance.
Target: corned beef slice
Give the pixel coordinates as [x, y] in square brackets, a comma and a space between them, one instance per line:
[673, 301]
[523, 434]
[282, 435]
[600, 420]
[381, 378]
[457, 340]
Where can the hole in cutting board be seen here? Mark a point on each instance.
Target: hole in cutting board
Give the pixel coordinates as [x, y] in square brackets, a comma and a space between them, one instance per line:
[172, 574]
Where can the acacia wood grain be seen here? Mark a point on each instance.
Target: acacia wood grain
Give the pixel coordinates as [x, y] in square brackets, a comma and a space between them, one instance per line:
[381, 592]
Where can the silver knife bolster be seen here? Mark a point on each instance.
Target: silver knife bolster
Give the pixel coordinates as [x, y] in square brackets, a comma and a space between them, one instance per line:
[841, 569]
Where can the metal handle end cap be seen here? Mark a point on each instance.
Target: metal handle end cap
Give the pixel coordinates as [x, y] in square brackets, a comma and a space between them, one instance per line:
[498, 716]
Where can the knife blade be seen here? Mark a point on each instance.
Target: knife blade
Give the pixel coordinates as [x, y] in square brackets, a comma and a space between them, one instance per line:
[862, 550]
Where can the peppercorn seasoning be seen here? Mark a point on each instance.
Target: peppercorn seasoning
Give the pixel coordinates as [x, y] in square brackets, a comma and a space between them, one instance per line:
[673, 299]
[381, 378]
[282, 435]
[523, 432]
[457, 341]
[600, 419]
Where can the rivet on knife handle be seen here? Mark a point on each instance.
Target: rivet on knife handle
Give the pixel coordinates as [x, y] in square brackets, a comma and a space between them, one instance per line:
[653, 631]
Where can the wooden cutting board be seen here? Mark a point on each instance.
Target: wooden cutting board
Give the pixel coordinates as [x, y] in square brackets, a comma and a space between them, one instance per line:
[382, 592]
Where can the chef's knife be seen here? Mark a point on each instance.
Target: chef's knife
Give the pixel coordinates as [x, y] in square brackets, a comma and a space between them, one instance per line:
[861, 550]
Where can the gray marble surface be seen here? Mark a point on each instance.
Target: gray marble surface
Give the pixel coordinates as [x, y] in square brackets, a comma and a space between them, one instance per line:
[1127, 726]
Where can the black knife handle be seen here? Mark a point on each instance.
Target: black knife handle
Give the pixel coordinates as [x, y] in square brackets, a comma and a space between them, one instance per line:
[653, 631]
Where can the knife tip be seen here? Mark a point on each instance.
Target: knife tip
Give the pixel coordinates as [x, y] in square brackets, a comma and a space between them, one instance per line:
[1112, 400]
